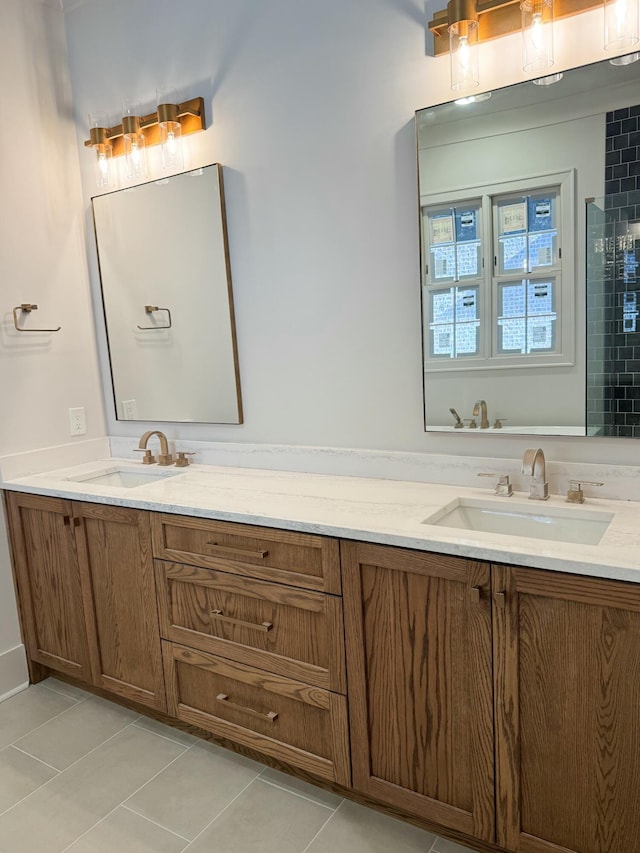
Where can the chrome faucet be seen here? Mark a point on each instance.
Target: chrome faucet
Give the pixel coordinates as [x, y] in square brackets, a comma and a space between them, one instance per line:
[164, 458]
[480, 408]
[533, 464]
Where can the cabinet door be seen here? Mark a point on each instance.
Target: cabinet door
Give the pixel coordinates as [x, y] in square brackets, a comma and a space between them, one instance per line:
[567, 658]
[115, 558]
[418, 631]
[49, 583]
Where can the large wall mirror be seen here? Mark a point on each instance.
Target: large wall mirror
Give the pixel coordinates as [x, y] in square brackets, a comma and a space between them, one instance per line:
[530, 242]
[166, 289]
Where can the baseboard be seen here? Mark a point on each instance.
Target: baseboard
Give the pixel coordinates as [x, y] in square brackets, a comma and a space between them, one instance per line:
[14, 675]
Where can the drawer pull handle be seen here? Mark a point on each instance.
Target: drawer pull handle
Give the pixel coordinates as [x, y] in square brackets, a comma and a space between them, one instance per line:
[238, 552]
[270, 716]
[263, 626]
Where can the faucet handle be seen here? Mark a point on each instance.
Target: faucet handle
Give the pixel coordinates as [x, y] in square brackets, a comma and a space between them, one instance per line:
[575, 495]
[148, 458]
[503, 486]
[473, 424]
[181, 458]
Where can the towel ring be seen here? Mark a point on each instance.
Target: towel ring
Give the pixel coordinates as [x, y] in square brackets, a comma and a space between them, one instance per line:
[27, 308]
[149, 309]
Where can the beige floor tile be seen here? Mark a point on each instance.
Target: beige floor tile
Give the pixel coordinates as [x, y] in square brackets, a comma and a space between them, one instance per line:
[194, 789]
[290, 783]
[443, 845]
[71, 803]
[65, 689]
[20, 775]
[64, 740]
[263, 819]
[125, 832]
[159, 728]
[27, 710]
[355, 829]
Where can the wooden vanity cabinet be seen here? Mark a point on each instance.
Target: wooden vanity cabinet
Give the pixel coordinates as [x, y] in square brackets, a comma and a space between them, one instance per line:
[418, 631]
[85, 582]
[567, 703]
[499, 702]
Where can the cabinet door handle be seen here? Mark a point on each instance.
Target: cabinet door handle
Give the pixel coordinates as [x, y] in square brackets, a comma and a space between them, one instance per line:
[270, 716]
[263, 626]
[67, 520]
[500, 599]
[476, 594]
[238, 552]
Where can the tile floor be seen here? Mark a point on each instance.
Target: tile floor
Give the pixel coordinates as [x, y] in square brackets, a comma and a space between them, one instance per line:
[84, 775]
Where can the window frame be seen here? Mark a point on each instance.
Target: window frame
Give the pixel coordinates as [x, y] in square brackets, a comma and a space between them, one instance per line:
[486, 198]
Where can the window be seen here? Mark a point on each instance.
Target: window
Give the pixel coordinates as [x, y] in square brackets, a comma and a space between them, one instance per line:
[497, 290]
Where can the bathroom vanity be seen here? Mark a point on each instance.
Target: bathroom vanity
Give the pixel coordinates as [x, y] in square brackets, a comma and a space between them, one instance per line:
[418, 666]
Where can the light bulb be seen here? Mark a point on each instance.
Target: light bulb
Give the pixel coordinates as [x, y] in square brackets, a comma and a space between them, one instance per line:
[463, 49]
[170, 129]
[103, 168]
[135, 158]
[101, 144]
[537, 34]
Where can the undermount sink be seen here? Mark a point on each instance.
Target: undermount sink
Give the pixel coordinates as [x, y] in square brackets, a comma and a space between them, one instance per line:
[122, 476]
[535, 522]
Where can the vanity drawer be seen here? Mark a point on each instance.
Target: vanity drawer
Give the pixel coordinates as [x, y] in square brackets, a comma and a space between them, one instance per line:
[303, 726]
[289, 631]
[296, 559]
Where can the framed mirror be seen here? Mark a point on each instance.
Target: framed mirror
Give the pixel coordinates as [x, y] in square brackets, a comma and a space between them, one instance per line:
[168, 304]
[529, 212]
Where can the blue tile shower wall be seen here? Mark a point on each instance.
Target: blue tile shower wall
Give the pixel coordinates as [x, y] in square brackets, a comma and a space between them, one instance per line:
[613, 285]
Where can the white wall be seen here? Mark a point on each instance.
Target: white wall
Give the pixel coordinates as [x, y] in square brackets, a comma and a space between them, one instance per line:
[311, 112]
[42, 261]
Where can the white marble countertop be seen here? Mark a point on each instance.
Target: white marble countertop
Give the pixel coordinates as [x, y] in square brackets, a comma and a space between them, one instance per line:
[382, 511]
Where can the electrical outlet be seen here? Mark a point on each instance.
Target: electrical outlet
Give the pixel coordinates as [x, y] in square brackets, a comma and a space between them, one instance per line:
[77, 421]
[129, 410]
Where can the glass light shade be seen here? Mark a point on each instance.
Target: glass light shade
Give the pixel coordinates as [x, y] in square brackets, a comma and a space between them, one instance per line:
[135, 155]
[621, 24]
[171, 144]
[104, 166]
[537, 34]
[463, 50]
[170, 129]
[101, 144]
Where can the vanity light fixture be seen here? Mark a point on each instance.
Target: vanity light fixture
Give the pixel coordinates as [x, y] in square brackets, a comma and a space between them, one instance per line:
[489, 19]
[137, 132]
